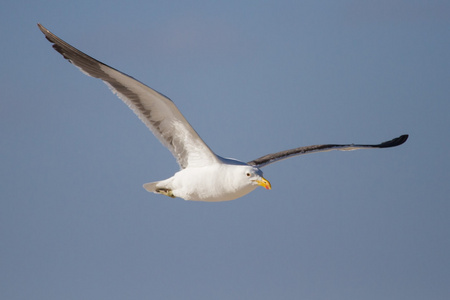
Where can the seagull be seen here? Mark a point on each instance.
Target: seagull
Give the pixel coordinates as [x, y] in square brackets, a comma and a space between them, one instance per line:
[203, 175]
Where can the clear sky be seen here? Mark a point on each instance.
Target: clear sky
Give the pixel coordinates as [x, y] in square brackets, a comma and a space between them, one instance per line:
[252, 77]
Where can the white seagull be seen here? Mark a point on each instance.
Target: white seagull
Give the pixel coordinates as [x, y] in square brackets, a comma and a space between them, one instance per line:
[203, 175]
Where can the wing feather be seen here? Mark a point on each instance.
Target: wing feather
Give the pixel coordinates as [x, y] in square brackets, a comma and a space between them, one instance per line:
[274, 157]
[157, 111]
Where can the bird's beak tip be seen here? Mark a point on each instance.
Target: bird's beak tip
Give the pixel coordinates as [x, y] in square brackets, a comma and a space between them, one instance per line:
[264, 183]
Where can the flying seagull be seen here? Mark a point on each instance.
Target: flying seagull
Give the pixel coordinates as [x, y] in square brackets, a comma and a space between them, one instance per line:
[203, 175]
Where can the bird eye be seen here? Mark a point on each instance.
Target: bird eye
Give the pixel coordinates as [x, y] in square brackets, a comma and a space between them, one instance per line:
[248, 174]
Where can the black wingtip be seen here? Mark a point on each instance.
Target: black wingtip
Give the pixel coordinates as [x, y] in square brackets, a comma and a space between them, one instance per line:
[41, 28]
[394, 142]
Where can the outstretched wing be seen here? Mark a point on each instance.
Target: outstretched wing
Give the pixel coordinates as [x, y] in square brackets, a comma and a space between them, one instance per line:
[274, 157]
[157, 111]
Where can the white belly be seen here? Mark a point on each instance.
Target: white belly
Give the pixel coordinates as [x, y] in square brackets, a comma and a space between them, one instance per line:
[211, 184]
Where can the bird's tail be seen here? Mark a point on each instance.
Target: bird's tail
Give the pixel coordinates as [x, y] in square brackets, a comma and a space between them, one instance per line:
[151, 186]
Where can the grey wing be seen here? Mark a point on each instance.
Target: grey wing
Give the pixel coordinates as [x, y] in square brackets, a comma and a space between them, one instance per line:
[157, 111]
[274, 157]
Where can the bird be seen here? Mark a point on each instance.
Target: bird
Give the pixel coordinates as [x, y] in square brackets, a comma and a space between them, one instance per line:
[203, 175]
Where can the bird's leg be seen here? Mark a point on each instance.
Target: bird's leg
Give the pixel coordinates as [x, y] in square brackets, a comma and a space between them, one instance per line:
[167, 192]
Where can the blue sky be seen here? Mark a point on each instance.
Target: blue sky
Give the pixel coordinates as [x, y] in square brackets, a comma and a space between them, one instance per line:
[252, 78]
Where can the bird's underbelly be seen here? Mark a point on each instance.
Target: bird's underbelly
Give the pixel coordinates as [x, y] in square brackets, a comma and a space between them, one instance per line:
[211, 194]
[202, 186]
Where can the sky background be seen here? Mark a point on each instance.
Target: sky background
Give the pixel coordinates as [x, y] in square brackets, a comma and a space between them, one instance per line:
[252, 77]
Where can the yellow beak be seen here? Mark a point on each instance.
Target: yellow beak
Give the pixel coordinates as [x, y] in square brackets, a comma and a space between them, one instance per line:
[264, 183]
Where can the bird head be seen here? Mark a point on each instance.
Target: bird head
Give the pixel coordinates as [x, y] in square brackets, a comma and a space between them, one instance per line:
[255, 176]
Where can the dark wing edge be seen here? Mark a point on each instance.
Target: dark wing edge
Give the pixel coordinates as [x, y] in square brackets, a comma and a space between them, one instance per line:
[87, 64]
[274, 157]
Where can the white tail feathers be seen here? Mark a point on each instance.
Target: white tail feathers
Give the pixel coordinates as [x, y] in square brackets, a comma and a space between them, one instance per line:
[151, 186]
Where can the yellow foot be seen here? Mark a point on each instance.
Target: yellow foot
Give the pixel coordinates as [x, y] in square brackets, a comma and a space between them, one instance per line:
[167, 192]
